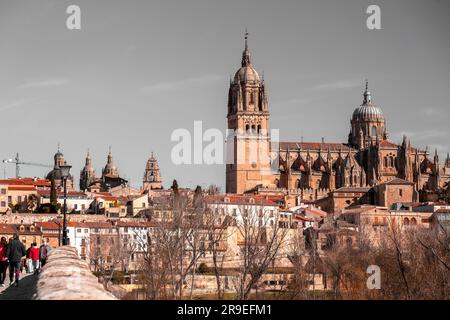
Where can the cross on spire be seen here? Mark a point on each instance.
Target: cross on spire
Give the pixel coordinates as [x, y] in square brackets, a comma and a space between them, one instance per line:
[367, 95]
[246, 54]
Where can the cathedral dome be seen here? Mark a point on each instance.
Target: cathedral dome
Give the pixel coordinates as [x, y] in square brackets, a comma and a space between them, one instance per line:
[246, 74]
[368, 110]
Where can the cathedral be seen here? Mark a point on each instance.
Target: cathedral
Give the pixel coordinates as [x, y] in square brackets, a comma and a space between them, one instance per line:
[55, 174]
[109, 179]
[367, 159]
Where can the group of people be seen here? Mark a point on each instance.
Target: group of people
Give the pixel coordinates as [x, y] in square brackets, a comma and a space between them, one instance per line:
[13, 255]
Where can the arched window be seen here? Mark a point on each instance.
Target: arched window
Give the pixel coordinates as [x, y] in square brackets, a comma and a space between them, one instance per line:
[406, 221]
[386, 164]
[253, 128]
[247, 128]
[392, 161]
[259, 128]
[374, 131]
[413, 221]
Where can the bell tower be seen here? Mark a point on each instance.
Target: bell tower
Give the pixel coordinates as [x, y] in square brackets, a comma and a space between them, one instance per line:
[248, 118]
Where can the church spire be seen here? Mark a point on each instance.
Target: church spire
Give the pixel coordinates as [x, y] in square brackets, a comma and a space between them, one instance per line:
[88, 158]
[246, 56]
[367, 95]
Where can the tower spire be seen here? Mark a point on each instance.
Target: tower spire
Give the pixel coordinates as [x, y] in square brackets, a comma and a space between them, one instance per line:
[367, 95]
[246, 38]
[246, 54]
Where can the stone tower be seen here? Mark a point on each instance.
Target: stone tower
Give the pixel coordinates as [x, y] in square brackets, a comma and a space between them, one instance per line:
[152, 176]
[248, 118]
[110, 169]
[367, 123]
[87, 174]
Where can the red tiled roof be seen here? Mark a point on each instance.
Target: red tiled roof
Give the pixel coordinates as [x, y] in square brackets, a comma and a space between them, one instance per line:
[317, 212]
[22, 188]
[48, 225]
[442, 211]
[108, 198]
[27, 181]
[7, 229]
[387, 144]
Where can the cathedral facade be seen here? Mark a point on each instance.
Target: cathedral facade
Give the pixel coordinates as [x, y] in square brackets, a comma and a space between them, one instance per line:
[368, 158]
[109, 179]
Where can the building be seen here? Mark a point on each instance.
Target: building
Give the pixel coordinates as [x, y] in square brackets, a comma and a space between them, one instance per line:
[79, 233]
[368, 157]
[255, 208]
[20, 194]
[55, 174]
[110, 176]
[76, 201]
[28, 233]
[152, 175]
[51, 232]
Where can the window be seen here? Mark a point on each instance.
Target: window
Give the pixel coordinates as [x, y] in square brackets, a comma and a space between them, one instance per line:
[78, 230]
[9, 199]
[400, 192]
[3, 204]
[83, 206]
[143, 204]
[75, 206]
[19, 199]
[3, 191]
[374, 131]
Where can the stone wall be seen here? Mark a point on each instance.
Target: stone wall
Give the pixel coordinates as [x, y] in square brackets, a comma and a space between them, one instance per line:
[67, 277]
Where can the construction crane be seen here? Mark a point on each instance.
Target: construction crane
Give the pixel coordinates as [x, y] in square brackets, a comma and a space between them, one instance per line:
[18, 163]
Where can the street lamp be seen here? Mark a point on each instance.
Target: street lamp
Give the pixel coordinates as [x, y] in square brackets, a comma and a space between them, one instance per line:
[64, 170]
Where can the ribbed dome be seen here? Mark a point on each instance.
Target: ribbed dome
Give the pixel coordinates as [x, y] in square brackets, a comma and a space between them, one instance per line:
[368, 112]
[246, 74]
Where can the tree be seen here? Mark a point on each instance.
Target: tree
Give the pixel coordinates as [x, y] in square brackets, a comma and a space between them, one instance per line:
[261, 237]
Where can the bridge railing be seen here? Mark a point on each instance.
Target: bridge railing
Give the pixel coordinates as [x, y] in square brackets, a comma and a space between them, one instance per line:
[66, 277]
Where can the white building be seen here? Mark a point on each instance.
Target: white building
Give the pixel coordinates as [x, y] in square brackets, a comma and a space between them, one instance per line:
[76, 201]
[258, 209]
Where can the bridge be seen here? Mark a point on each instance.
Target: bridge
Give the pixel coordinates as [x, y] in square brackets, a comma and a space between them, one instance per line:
[64, 277]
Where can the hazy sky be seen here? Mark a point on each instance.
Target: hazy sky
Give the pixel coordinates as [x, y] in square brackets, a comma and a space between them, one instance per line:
[137, 70]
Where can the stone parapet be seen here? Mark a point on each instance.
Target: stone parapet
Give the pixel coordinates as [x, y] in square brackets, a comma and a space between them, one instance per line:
[66, 277]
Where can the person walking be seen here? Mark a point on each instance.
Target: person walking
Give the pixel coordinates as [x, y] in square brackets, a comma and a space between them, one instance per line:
[43, 252]
[3, 261]
[34, 257]
[14, 252]
[28, 263]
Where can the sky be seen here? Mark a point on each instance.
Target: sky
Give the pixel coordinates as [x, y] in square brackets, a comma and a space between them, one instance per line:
[138, 70]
